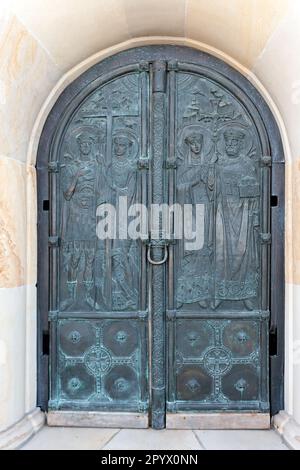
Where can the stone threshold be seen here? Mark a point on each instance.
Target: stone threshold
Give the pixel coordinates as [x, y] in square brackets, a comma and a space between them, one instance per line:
[97, 419]
[123, 420]
[223, 420]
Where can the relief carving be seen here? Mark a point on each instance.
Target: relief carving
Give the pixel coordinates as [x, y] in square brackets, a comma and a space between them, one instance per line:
[219, 364]
[193, 187]
[90, 367]
[122, 178]
[80, 185]
[218, 167]
[237, 207]
[98, 165]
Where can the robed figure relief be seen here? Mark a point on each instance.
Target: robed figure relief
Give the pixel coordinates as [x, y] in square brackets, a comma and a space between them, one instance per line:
[122, 179]
[194, 186]
[218, 174]
[80, 177]
[100, 167]
[98, 343]
[237, 207]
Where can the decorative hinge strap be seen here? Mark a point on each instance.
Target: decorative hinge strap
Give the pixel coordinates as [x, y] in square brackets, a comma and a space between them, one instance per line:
[53, 241]
[266, 160]
[266, 237]
[53, 167]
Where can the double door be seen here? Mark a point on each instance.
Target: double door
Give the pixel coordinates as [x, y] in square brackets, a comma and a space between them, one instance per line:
[159, 320]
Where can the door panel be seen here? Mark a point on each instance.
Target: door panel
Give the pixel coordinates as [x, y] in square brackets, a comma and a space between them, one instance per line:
[217, 362]
[99, 361]
[99, 286]
[164, 324]
[218, 357]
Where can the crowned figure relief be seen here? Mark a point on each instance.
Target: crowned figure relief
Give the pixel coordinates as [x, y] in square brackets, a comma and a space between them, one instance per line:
[80, 182]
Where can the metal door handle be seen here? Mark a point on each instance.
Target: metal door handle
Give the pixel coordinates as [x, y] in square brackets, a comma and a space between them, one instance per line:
[157, 262]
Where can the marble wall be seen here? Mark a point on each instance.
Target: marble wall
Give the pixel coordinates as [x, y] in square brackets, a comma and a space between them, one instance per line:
[45, 45]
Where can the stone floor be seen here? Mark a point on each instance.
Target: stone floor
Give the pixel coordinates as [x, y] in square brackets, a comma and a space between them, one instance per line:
[148, 439]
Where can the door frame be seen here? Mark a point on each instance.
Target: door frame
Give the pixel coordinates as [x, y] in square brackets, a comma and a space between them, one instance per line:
[243, 88]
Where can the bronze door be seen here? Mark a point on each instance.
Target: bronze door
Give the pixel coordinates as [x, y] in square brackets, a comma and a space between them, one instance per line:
[163, 324]
[98, 286]
[218, 301]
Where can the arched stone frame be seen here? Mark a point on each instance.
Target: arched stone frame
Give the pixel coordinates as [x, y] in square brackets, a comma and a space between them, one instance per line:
[277, 256]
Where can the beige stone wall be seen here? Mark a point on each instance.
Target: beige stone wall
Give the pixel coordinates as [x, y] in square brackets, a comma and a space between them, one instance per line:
[240, 28]
[40, 41]
[27, 73]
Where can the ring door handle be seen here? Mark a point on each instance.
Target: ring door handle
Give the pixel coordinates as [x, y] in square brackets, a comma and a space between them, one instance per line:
[157, 262]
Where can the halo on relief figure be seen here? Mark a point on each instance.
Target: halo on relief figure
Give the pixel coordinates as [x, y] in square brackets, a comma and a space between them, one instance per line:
[238, 132]
[200, 138]
[126, 135]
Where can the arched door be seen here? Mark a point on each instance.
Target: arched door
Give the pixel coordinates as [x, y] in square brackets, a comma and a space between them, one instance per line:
[158, 325]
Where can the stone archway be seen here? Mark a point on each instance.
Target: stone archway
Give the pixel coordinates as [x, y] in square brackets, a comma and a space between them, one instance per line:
[17, 407]
[276, 151]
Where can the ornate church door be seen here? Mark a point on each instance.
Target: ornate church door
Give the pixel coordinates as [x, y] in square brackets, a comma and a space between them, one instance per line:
[159, 329]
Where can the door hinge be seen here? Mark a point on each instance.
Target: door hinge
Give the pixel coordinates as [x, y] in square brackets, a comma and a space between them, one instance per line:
[53, 167]
[53, 241]
[266, 160]
[52, 315]
[266, 237]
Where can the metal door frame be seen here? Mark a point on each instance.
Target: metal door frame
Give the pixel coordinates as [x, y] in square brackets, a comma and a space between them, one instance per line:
[260, 112]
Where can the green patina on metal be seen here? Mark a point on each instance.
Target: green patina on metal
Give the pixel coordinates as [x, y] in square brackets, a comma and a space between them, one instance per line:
[159, 131]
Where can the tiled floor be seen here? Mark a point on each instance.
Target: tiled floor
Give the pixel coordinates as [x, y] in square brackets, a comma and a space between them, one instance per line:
[149, 439]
